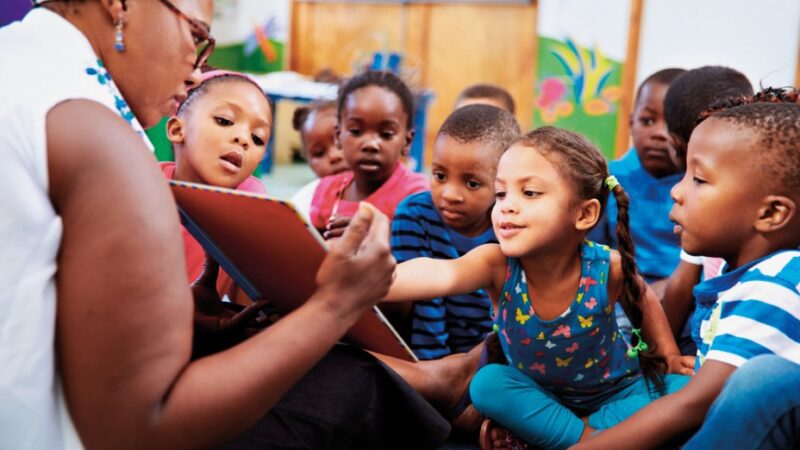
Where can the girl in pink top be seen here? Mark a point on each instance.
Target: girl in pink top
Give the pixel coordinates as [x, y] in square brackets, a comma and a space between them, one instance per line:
[219, 135]
[375, 116]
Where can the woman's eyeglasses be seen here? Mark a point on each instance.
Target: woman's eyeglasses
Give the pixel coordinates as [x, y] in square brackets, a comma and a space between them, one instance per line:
[200, 32]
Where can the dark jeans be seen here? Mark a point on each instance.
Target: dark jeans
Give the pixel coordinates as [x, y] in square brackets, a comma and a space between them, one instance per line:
[349, 400]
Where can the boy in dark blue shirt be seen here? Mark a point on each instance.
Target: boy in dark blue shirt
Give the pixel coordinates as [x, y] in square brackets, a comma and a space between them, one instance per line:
[452, 219]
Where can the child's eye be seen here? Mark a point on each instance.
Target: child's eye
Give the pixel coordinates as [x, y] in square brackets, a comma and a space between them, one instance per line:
[698, 180]
[257, 140]
[387, 135]
[499, 195]
[223, 121]
[530, 194]
[354, 131]
[439, 176]
[471, 184]
[646, 121]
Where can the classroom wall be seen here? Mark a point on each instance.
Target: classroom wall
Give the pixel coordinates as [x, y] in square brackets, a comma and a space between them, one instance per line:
[449, 46]
[446, 46]
[760, 38]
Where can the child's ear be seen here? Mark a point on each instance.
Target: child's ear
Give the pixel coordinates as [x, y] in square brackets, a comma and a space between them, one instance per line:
[175, 130]
[775, 213]
[336, 136]
[588, 214]
[409, 139]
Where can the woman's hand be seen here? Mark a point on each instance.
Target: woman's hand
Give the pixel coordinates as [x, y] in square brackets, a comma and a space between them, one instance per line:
[359, 267]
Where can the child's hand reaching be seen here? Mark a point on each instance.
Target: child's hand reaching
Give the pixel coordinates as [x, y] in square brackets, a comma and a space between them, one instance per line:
[211, 315]
[336, 227]
[680, 364]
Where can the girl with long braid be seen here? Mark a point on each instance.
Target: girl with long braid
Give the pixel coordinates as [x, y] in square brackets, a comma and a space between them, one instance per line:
[569, 371]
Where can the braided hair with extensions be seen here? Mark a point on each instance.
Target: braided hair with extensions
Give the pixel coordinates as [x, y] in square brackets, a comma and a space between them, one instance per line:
[586, 168]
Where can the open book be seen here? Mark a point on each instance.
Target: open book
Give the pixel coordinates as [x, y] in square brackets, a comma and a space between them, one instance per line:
[272, 253]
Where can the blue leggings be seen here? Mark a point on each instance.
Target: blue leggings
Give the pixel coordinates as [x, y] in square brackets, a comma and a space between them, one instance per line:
[759, 408]
[519, 403]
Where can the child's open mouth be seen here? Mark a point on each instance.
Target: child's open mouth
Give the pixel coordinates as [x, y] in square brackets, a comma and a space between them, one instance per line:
[508, 229]
[231, 161]
[677, 229]
[368, 166]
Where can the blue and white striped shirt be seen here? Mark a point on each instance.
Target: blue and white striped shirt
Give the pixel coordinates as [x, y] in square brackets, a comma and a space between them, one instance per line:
[750, 311]
[439, 326]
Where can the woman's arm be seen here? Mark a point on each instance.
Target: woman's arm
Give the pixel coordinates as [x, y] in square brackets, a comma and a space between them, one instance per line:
[668, 417]
[424, 278]
[124, 317]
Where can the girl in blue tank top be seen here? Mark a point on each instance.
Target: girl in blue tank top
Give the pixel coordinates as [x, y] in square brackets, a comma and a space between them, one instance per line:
[569, 370]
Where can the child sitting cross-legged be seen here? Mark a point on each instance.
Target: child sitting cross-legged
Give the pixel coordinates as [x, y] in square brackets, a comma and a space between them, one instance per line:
[738, 201]
[452, 219]
[569, 371]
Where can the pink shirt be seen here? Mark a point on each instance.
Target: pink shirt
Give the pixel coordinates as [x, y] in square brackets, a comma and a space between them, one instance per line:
[195, 255]
[402, 183]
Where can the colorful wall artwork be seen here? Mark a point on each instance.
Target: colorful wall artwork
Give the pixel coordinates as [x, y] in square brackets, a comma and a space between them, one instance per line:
[252, 35]
[579, 68]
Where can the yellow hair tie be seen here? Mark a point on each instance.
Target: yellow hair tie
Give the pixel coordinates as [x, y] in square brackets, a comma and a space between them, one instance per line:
[611, 182]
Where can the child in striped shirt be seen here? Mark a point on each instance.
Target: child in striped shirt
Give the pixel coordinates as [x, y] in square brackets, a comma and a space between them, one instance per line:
[452, 219]
[738, 201]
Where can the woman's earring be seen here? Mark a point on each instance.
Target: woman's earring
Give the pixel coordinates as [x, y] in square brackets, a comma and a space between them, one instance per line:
[119, 45]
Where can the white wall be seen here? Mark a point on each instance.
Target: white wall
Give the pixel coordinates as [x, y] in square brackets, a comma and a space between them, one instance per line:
[234, 20]
[589, 23]
[757, 37]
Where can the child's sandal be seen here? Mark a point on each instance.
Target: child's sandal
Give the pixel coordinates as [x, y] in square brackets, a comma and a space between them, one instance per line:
[512, 442]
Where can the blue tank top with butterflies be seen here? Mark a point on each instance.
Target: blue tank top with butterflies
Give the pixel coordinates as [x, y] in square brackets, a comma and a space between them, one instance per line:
[580, 353]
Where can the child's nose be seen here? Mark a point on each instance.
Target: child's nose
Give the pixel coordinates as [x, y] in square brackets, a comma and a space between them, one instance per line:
[507, 206]
[372, 144]
[452, 194]
[336, 154]
[240, 137]
[660, 133]
[676, 192]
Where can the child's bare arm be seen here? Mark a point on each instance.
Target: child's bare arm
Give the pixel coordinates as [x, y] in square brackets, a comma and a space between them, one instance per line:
[667, 417]
[678, 298]
[424, 278]
[656, 330]
[654, 322]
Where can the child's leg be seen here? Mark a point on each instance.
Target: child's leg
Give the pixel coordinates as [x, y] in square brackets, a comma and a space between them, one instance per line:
[631, 399]
[518, 403]
[759, 407]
